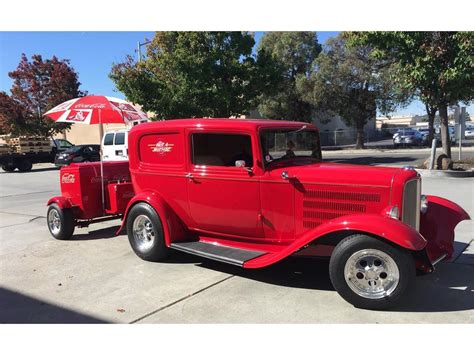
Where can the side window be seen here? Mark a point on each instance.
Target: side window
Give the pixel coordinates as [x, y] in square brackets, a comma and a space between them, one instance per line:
[119, 138]
[221, 149]
[109, 139]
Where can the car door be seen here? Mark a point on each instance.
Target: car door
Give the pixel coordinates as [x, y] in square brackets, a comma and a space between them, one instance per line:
[223, 198]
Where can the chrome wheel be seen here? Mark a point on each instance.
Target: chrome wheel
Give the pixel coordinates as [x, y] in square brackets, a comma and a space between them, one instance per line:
[143, 233]
[371, 273]
[54, 221]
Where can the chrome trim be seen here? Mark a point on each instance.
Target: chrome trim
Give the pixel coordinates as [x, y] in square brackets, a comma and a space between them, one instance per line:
[411, 204]
[441, 258]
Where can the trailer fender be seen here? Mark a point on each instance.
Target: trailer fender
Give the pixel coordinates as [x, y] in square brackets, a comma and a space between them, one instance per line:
[381, 226]
[61, 201]
[172, 226]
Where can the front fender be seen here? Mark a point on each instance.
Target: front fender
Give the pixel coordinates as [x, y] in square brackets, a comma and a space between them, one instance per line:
[172, 226]
[385, 227]
[437, 225]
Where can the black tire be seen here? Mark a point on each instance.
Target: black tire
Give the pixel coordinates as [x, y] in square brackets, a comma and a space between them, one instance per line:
[149, 247]
[25, 165]
[66, 222]
[8, 168]
[348, 248]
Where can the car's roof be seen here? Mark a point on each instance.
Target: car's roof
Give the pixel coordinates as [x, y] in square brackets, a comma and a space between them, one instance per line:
[211, 123]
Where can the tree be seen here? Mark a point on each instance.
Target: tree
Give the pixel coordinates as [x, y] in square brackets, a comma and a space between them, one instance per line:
[195, 74]
[38, 86]
[294, 52]
[348, 82]
[438, 66]
[12, 116]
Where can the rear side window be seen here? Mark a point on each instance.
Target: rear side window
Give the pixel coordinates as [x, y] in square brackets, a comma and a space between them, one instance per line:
[109, 139]
[119, 138]
[221, 149]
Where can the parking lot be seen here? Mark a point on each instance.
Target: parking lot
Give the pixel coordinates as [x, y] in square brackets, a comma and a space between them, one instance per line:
[96, 277]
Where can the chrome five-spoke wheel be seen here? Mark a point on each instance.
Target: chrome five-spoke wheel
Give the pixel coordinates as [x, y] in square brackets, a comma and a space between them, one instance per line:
[143, 233]
[371, 273]
[54, 221]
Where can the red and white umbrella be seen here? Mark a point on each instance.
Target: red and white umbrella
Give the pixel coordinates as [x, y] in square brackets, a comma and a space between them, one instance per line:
[96, 110]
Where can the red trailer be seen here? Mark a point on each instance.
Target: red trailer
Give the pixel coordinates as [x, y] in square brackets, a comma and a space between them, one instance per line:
[253, 192]
[80, 203]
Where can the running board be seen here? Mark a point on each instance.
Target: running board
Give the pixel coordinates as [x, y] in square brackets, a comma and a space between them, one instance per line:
[228, 255]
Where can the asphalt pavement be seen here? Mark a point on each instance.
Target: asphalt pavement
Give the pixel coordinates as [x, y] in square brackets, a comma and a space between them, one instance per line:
[96, 278]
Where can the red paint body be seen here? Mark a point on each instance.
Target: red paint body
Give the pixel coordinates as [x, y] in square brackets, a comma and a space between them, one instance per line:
[316, 205]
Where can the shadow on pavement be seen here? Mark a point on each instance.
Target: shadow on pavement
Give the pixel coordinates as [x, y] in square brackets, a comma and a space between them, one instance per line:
[17, 308]
[370, 160]
[450, 288]
[104, 233]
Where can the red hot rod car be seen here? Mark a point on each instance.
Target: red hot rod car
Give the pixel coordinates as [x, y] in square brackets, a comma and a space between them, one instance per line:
[253, 192]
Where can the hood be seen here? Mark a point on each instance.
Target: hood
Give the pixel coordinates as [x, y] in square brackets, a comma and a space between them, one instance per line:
[344, 174]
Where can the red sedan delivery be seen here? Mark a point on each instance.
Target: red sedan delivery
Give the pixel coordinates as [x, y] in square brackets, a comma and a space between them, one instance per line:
[253, 192]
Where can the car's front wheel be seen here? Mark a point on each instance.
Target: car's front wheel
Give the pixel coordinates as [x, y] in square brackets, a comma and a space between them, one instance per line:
[370, 273]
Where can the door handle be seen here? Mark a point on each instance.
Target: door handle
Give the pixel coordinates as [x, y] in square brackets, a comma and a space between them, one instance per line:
[189, 176]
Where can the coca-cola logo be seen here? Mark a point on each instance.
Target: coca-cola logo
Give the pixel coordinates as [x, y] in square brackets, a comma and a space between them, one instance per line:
[161, 147]
[68, 178]
[89, 106]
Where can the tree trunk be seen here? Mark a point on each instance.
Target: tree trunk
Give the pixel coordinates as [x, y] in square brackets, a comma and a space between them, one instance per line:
[445, 141]
[360, 135]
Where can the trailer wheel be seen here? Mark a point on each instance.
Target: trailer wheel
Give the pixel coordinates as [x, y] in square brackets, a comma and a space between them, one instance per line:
[145, 233]
[8, 168]
[60, 222]
[370, 273]
[25, 165]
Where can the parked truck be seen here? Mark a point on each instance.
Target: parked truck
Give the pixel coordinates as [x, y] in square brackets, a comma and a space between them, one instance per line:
[22, 152]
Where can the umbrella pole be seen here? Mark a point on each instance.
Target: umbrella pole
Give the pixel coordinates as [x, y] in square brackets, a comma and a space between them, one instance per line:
[101, 165]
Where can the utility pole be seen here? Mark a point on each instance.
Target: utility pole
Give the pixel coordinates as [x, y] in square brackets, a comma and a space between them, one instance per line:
[139, 49]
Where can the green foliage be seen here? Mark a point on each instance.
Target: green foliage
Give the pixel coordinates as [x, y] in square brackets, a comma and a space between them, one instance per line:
[438, 66]
[351, 83]
[196, 74]
[38, 86]
[294, 53]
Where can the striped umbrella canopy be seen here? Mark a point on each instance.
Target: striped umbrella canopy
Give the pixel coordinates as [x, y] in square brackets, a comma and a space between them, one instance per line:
[96, 110]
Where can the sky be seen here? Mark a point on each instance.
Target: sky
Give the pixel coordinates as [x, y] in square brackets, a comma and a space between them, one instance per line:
[93, 53]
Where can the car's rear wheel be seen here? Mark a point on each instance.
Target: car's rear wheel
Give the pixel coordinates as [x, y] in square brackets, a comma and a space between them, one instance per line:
[60, 222]
[370, 273]
[145, 233]
[8, 168]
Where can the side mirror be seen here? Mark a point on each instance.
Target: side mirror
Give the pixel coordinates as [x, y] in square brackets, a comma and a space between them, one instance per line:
[241, 164]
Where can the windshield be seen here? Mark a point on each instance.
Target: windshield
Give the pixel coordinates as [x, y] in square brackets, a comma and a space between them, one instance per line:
[289, 144]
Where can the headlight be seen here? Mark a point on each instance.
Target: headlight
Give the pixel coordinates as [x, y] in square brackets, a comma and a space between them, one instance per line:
[423, 204]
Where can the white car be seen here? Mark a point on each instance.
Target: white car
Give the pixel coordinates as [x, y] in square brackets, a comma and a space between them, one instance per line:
[469, 132]
[115, 146]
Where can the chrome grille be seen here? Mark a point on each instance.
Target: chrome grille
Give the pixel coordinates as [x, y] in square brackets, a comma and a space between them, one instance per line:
[411, 203]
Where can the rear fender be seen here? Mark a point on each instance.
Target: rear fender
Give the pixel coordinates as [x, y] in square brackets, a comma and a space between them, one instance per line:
[386, 228]
[61, 201]
[172, 227]
[437, 226]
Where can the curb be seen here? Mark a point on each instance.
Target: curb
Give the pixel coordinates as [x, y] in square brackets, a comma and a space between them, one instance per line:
[449, 173]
